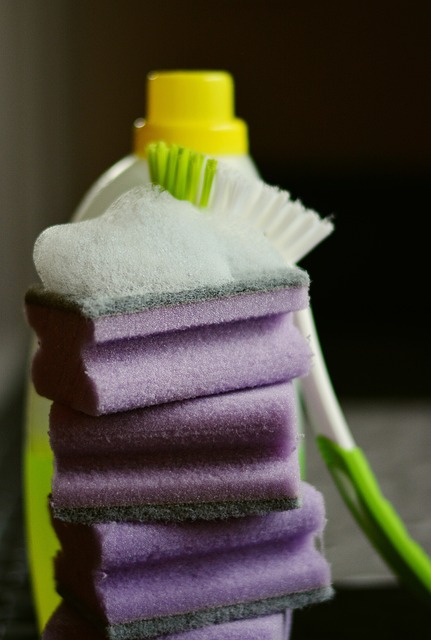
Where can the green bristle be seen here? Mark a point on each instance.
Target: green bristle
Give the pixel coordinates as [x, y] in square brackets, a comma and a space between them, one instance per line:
[181, 171]
[152, 162]
[194, 177]
[162, 154]
[210, 171]
[171, 169]
[180, 188]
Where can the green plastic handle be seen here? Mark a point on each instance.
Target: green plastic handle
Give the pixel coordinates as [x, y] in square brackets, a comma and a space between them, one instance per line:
[376, 516]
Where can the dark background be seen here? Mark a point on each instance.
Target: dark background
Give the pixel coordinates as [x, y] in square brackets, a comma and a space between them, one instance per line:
[337, 98]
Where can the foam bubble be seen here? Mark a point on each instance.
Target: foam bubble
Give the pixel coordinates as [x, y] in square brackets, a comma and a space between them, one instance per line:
[149, 242]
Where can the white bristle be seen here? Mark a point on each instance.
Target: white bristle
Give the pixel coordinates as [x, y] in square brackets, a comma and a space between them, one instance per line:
[281, 219]
[201, 182]
[318, 231]
[301, 222]
[252, 200]
[292, 229]
[233, 197]
[220, 195]
[269, 201]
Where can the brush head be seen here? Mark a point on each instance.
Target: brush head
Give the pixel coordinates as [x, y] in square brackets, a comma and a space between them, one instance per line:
[292, 230]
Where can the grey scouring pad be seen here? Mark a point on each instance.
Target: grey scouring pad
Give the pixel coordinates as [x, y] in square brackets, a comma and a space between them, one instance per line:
[67, 624]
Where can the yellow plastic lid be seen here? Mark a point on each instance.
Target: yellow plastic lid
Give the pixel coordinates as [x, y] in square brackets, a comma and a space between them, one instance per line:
[194, 109]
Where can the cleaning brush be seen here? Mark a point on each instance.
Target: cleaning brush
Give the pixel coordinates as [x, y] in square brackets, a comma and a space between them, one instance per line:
[294, 231]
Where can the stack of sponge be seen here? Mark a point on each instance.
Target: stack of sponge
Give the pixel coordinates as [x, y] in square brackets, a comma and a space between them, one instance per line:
[176, 493]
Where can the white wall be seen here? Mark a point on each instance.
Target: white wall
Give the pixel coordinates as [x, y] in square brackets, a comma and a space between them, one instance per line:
[35, 154]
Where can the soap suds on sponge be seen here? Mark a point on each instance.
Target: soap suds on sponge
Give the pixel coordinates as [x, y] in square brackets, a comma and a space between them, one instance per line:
[150, 241]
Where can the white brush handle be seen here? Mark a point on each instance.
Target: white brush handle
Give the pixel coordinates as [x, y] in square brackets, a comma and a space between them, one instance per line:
[324, 412]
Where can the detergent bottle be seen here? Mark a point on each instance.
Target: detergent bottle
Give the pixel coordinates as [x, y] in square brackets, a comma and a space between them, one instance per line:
[190, 108]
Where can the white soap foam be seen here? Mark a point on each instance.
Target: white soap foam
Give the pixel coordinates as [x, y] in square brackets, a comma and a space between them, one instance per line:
[149, 242]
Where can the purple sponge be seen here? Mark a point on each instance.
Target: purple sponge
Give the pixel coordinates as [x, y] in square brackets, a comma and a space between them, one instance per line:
[214, 456]
[148, 580]
[120, 362]
[66, 624]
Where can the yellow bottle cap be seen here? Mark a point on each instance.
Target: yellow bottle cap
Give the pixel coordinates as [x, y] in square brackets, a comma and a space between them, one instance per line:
[194, 109]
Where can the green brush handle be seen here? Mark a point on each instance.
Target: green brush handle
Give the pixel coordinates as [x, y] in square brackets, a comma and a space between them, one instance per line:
[189, 177]
[376, 516]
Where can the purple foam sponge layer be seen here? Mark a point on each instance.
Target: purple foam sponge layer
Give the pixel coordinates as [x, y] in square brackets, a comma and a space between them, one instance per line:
[161, 368]
[215, 456]
[66, 624]
[175, 488]
[117, 545]
[155, 579]
[259, 419]
[97, 374]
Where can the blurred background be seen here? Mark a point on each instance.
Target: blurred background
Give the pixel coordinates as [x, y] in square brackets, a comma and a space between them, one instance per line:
[337, 97]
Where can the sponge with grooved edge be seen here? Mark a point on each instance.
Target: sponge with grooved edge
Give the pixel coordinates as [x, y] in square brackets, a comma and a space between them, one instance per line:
[215, 456]
[125, 374]
[158, 579]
